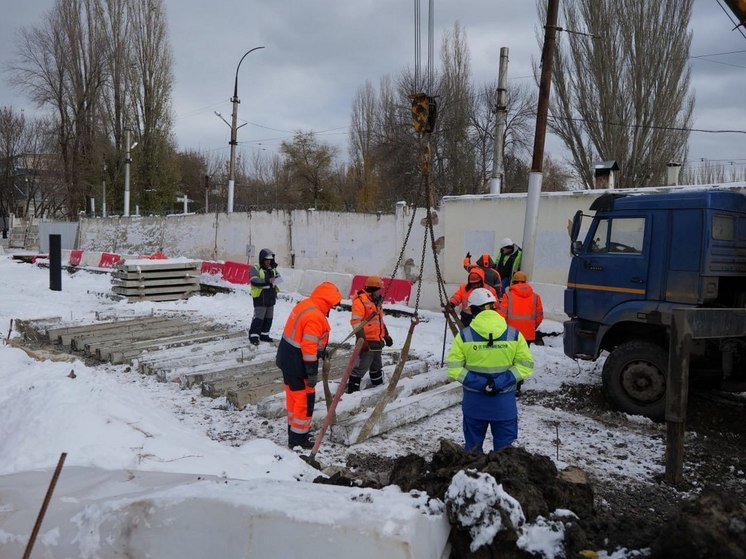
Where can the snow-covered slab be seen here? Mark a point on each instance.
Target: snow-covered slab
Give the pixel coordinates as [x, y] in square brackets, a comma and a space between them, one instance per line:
[401, 411]
[173, 358]
[100, 513]
[124, 353]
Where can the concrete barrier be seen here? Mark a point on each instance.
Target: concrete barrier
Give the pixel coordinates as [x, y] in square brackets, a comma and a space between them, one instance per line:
[311, 278]
[154, 514]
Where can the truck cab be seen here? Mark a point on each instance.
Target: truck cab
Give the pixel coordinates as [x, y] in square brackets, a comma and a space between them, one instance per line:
[642, 256]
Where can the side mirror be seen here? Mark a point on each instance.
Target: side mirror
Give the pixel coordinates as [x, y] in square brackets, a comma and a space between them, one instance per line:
[575, 227]
[576, 247]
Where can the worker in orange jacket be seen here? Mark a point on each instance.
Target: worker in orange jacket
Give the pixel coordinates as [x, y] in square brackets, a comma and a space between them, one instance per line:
[303, 343]
[367, 303]
[491, 275]
[521, 307]
[460, 298]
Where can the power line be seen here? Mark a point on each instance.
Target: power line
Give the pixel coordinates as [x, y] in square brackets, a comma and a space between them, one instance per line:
[652, 127]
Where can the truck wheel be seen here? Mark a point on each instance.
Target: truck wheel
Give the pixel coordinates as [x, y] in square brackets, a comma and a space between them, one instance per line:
[634, 379]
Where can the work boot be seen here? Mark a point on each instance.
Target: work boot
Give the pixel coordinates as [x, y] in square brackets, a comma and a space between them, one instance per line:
[353, 385]
[265, 338]
[254, 339]
[302, 440]
[376, 378]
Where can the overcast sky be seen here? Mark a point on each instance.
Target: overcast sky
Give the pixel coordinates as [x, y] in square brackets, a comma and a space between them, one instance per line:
[318, 53]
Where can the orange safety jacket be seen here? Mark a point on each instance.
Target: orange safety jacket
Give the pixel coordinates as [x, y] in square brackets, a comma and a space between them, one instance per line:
[303, 341]
[460, 298]
[521, 308]
[363, 306]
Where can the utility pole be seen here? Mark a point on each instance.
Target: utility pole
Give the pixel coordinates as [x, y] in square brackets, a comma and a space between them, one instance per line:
[498, 166]
[530, 223]
[127, 162]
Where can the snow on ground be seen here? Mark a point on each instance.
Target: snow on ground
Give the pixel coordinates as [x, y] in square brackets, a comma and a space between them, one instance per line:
[112, 417]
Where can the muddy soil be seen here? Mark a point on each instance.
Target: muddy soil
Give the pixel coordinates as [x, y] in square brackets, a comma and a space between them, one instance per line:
[703, 517]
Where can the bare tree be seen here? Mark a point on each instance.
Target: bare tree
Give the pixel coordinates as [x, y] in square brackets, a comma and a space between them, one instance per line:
[103, 66]
[621, 92]
[309, 164]
[520, 102]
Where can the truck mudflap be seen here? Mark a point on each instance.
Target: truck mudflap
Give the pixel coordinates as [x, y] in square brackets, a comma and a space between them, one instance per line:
[579, 343]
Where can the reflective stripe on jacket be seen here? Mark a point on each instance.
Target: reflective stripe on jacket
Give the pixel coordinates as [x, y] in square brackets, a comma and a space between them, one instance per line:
[489, 348]
[507, 265]
[522, 309]
[306, 331]
[460, 299]
[261, 287]
[363, 306]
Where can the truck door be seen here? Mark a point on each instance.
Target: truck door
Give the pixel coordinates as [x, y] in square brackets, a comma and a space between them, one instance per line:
[612, 268]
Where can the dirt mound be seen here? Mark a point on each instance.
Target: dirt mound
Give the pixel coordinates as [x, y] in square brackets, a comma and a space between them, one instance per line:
[713, 525]
[530, 479]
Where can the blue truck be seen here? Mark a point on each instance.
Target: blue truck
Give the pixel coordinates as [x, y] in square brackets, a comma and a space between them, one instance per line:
[642, 256]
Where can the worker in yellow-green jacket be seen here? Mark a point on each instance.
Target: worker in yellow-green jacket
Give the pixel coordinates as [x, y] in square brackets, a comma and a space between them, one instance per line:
[489, 358]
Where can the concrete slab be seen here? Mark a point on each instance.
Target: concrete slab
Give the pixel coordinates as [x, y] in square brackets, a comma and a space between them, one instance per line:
[121, 338]
[100, 513]
[171, 358]
[240, 397]
[89, 341]
[274, 406]
[401, 411]
[124, 353]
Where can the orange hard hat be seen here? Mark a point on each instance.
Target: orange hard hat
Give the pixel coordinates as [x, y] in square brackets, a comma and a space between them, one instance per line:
[519, 276]
[374, 281]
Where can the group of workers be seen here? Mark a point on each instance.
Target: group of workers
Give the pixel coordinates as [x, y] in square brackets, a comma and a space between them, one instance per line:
[490, 356]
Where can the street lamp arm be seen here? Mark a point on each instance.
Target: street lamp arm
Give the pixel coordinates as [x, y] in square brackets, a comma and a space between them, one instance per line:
[235, 83]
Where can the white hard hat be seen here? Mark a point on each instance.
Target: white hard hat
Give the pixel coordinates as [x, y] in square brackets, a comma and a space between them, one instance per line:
[480, 297]
[506, 242]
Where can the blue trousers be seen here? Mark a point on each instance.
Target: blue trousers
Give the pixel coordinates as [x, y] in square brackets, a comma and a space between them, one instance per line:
[504, 432]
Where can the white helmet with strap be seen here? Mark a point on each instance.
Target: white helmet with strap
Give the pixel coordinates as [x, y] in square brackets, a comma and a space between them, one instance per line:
[480, 297]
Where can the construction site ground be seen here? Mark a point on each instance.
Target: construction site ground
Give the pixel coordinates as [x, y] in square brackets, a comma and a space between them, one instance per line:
[563, 417]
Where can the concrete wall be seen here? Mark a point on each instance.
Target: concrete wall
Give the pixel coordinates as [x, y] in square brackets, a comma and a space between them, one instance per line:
[341, 242]
[351, 243]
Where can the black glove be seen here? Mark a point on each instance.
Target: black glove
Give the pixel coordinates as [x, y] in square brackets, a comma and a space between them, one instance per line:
[312, 373]
[388, 340]
[489, 388]
[468, 255]
[448, 306]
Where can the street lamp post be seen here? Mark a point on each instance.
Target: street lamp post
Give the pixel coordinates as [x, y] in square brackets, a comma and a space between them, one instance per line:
[234, 134]
[127, 162]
